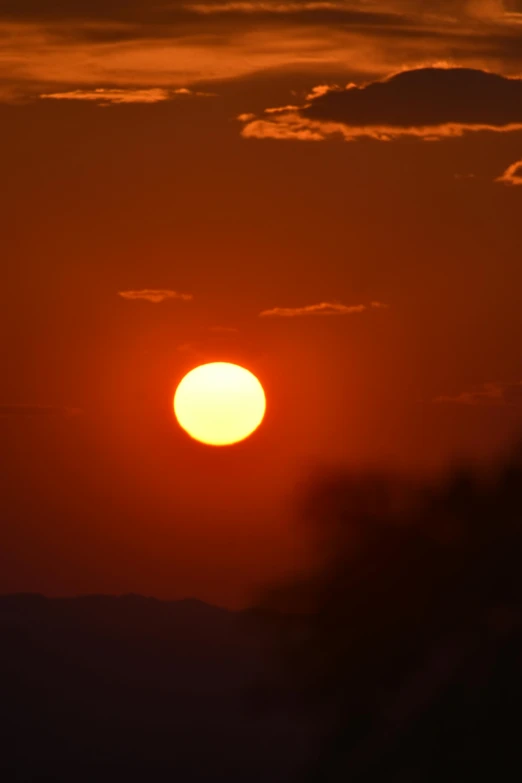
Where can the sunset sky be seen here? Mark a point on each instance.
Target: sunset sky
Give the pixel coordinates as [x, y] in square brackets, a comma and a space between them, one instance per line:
[328, 193]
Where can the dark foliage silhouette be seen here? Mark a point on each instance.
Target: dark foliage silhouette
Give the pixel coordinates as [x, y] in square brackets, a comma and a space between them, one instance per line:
[405, 644]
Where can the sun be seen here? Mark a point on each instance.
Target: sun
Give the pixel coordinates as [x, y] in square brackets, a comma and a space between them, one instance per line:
[220, 403]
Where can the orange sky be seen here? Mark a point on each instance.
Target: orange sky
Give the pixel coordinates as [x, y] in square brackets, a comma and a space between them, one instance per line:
[387, 175]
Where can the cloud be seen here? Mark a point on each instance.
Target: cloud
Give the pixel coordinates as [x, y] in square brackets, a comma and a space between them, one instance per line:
[195, 93]
[258, 7]
[37, 411]
[114, 96]
[154, 295]
[107, 97]
[323, 308]
[59, 47]
[488, 394]
[177, 10]
[426, 103]
[320, 89]
[279, 110]
[512, 175]
[431, 11]
[425, 97]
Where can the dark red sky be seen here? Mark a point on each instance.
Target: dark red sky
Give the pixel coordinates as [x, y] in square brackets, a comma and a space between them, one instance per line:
[125, 168]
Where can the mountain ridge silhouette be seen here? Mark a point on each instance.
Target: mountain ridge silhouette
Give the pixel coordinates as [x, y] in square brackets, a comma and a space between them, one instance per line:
[103, 687]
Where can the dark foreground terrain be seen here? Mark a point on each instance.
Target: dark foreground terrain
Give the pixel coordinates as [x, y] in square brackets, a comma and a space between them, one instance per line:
[131, 688]
[135, 689]
[398, 658]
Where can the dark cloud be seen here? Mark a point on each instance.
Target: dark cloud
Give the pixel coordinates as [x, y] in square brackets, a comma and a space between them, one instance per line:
[140, 18]
[58, 46]
[306, 11]
[74, 9]
[383, 13]
[425, 102]
[426, 97]
[143, 11]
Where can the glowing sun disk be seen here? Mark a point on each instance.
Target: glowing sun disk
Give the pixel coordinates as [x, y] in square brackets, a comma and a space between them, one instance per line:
[220, 403]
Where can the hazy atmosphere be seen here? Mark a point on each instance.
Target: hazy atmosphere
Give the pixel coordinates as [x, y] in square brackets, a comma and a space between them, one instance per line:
[324, 192]
[261, 394]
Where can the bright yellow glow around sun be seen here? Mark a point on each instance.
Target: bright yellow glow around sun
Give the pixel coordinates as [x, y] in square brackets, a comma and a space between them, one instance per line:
[220, 403]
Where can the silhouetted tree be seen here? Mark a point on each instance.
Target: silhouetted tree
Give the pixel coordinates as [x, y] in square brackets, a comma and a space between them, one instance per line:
[405, 644]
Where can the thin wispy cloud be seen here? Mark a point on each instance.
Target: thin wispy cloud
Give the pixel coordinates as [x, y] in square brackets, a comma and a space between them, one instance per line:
[113, 96]
[264, 7]
[323, 308]
[154, 295]
[512, 175]
[278, 110]
[38, 411]
[488, 394]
